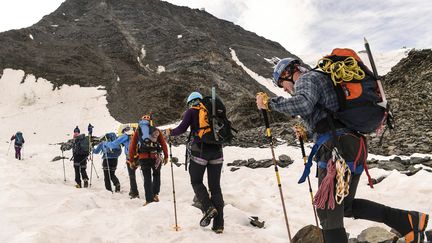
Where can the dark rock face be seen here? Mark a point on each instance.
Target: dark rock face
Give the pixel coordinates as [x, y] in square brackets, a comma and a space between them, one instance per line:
[409, 89]
[149, 55]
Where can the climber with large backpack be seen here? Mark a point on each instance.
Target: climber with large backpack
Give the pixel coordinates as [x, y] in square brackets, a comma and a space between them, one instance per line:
[80, 152]
[19, 143]
[210, 129]
[110, 156]
[125, 136]
[148, 143]
[332, 102]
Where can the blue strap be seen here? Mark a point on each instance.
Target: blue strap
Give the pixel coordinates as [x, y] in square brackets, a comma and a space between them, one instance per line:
[322, 138]
[359, 168]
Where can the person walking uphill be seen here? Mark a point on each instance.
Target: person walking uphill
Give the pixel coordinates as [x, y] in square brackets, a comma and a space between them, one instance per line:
[19, 142]
[124, 140]
[90, 129]
[109, 161]
[149, 142]
[203, 156]
[310, 92]
[80, 151]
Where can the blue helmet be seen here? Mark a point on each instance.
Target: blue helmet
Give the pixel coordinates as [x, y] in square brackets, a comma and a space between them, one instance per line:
[282, 66]
[193, 96]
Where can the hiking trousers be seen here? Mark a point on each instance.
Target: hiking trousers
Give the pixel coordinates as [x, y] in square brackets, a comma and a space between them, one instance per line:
[196, 172]
[80, 166]
[151, 182]
[331, 220]
[132, 180]
[18, 152]
[112, 165]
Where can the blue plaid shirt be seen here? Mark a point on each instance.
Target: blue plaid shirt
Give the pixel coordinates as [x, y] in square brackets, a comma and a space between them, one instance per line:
[311, 88]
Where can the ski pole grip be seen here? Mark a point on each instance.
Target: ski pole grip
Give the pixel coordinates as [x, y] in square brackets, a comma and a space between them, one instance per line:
[266, 121]
[302, 146]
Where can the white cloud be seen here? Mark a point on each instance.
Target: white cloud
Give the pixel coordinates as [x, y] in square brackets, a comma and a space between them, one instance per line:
[305, 28]
[315, 27]
[18, 14]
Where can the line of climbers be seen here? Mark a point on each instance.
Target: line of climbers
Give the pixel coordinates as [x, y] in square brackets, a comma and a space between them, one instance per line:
[337, 108]
[145, 147]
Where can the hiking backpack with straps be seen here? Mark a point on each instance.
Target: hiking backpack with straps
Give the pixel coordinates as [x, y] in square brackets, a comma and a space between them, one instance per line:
[81, 145]
[148, 138]
[19, 140]
[357, 91]
[214, 127]
[112, 152]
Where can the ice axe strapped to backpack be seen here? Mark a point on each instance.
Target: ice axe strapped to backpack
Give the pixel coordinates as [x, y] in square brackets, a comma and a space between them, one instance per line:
[361, 101]
[214, 126]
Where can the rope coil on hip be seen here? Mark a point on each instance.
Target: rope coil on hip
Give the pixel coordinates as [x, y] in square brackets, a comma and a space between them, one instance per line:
[343, 177]
[328, 193]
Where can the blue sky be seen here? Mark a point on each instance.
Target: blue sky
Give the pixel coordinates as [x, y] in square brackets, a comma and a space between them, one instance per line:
[303, 27]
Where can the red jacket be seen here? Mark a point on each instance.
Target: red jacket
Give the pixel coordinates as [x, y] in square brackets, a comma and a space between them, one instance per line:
[134, 142]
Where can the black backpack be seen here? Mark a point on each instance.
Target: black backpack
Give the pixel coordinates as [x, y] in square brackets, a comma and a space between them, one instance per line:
[19, 140]
[358, 99]
[149, 145]
[214, 127]
[81, 145]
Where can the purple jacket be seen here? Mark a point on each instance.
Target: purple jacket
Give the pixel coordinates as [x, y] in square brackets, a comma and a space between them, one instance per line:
[190, 119]
[199, 150]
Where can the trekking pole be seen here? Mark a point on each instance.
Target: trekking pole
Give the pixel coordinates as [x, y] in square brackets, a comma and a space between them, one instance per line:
[64, 170]
[94, 167]
[91, 166]
[269, 136]
[176, 227]
[10, 143]
[302, 135]
[91, 171]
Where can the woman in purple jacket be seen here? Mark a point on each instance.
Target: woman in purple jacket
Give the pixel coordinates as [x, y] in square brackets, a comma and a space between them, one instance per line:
[203, 156]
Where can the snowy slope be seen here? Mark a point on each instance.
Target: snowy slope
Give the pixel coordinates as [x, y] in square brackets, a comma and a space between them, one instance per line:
[38, 206]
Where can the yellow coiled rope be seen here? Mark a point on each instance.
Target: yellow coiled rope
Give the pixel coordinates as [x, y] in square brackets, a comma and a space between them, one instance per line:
[343, 177]
[341, 71]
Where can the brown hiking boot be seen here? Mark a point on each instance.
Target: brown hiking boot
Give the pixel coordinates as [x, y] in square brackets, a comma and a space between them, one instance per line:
[418, 222]
[146, 203]
[156, 198]
[218, 230]
[208, 216]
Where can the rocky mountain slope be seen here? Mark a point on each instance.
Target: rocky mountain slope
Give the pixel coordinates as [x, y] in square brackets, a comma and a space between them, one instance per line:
[409, 89]
[148, 54]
